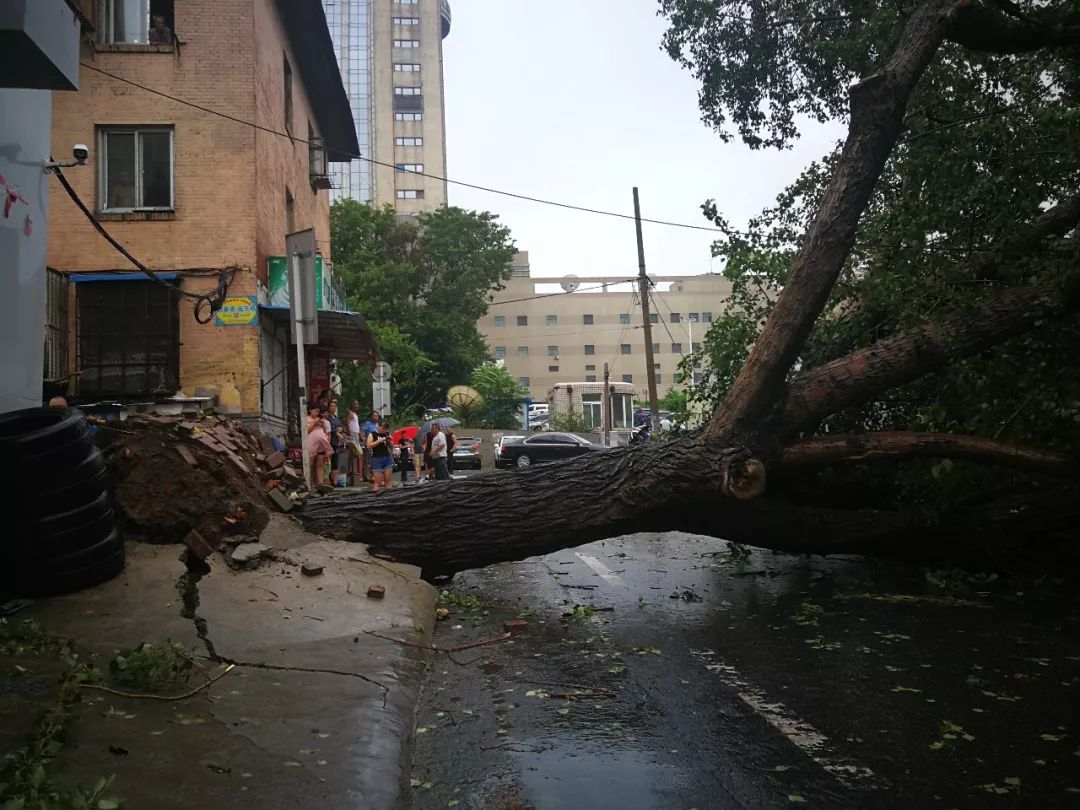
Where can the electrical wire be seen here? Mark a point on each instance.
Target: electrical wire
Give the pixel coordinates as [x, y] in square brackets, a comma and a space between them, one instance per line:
[349, 154]
[206, 303]
[618, 343]
[671, 337]
[561, 292]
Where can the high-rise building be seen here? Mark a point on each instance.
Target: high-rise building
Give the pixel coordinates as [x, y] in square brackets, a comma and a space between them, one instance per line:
[391, 61]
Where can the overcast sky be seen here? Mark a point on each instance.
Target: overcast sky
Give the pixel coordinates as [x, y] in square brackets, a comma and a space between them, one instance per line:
[573, 100]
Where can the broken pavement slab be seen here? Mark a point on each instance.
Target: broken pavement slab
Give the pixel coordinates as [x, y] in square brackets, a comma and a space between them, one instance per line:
[309, 718]
[247, 555]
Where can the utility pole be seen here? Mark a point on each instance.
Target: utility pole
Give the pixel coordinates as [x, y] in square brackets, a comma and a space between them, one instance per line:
[605, 406]
[643, 284]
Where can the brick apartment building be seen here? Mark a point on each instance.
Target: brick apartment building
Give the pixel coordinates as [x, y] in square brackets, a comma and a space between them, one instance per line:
[190, 193]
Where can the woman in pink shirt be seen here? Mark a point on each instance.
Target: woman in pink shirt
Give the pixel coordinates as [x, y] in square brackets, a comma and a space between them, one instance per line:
[319, 448]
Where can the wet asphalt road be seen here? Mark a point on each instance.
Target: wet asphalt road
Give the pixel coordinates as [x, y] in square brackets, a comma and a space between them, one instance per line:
[705, 681]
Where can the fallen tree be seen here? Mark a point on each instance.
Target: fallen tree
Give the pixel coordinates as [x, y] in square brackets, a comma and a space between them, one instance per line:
[734, 478]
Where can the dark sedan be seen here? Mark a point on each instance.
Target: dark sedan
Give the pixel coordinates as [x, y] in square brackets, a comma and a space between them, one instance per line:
[541, 447]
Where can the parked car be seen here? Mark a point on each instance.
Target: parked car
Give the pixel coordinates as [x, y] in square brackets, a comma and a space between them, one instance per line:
[501, 442]
[467, 453]
[541, 447]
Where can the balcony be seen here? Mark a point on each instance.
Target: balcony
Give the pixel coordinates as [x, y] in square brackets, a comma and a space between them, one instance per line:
[445, 17]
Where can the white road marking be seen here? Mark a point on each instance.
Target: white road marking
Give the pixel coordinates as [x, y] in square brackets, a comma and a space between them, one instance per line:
[803, 735]
[606, 573]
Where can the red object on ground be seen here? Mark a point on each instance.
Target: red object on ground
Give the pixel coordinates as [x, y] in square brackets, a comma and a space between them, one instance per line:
[514, 625]
[408, 432]
[376, 591]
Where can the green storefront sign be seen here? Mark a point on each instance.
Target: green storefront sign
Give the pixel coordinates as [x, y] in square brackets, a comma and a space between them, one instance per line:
[326, 296]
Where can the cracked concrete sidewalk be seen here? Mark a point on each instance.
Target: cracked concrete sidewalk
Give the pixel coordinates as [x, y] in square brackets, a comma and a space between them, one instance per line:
[316, 713]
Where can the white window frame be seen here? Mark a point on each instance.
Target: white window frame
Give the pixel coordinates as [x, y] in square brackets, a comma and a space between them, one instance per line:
[410, 168]
[408, 91]
[105, 7]
[403, 140]
[409, 117]
[407, 21]
[406, 43]
[103, 166]
[410, 194]
[406, 67]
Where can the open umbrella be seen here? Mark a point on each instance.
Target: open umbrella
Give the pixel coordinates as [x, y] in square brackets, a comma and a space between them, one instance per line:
[444, 423]
[408, 433]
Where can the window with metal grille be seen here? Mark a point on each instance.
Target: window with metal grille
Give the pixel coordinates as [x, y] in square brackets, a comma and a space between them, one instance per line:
[56, 325]
[128, 339]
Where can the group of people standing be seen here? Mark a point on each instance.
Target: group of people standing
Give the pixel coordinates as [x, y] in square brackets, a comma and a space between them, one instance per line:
[366, 450]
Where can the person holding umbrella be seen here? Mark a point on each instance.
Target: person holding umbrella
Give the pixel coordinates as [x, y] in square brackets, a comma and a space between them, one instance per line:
[438, 453]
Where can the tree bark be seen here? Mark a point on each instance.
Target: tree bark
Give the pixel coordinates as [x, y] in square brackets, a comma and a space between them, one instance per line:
[894, 361]
[878, 105]
[904, 444]
[468, 523]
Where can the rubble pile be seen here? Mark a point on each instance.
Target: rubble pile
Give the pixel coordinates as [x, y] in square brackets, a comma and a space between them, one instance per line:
[173, 475]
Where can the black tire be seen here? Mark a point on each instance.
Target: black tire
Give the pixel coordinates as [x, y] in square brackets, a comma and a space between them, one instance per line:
[523, 461]
[85, 557]
[60, 523]
[65, 498]
[39, 583]
[26, 546]
[32, 431]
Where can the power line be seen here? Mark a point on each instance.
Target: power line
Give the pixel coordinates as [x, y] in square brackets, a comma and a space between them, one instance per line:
[212, 298]
[561, 292]
[347, 153]
[618, 343]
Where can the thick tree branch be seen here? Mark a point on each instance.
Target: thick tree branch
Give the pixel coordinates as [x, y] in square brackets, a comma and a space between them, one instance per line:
[894, 361]
[979, 28]
[878, 104]
[1027, 239]
[902, 444]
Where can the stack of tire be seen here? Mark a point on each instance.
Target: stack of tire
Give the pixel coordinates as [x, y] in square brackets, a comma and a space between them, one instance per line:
[59, 532]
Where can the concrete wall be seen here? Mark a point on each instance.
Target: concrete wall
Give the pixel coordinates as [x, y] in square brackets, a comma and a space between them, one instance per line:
[570, 335]
[24, 146]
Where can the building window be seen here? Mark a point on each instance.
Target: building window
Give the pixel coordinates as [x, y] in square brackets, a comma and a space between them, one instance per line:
[406, 43]
[628, 378]
[500, 320]
[697, 378]
[587, 320]
[290, 211]
[406, 20]
[406, 67]
[658, 380]
[656, 348]
[553, 369]
[624, 348]
[407, 2]
[523, 351]
[408, 116]
[500, 352]
[522, 320]
[590, 367]
[590, 378]
[624, 319]
[553, 351]
[128, 338]
[287, 88]
[654, 318]
[692, 316]
[410, 194]
[136, 169]
[707, 317]
[408, 141]
[414, 168]
[523, 382]
[552, 320]
[656, 366]
[676, 317]
[590, 348]
[407, 91]
[317, 168]
[676, 348]
[136, 22]
[695, 346]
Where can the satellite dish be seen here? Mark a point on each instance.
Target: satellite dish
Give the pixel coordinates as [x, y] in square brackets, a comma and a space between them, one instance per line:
[462, 396]
[570, 283]
[676, 287]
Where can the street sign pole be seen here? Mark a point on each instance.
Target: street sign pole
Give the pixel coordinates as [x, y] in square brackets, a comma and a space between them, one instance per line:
[301, 366]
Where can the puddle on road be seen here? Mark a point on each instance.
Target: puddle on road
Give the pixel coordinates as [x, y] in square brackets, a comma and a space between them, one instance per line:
[565, 780]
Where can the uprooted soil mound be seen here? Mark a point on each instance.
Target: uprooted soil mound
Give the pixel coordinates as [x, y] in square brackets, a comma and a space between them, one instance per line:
[172, 476]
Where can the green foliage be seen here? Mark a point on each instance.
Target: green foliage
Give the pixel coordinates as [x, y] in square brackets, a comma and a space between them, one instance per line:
[462, 601]
[990, 141]
[503, 396]
[152, 667]
[422, 285]
[572, 421]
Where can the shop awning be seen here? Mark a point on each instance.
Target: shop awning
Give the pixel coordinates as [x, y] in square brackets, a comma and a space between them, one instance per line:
[344, 335]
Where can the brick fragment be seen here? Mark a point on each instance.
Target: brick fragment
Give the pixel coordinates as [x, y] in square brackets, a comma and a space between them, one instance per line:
[187, 456]
[515, 625]
[309, 569]
[197, 545]
[376, 591]
[280, 500]
[275, 460]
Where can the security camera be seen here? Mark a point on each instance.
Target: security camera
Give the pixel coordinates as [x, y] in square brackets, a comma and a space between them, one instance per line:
[80, 152]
